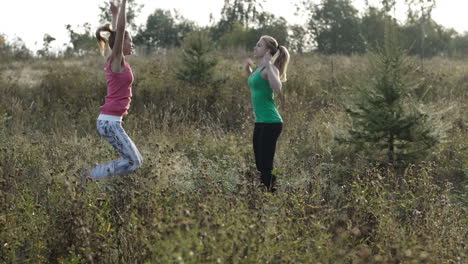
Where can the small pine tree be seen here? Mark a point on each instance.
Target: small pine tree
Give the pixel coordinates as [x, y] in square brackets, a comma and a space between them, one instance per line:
[197, 63]
[382, 121]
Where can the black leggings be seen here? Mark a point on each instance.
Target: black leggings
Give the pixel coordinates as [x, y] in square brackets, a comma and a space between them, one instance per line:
[264, 144]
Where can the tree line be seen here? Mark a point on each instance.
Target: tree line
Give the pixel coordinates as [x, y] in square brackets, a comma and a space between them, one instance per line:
[332, 27]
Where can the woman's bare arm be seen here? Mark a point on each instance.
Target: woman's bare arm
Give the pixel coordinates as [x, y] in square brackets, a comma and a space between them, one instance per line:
[115, 12]
[117, 57]
[272, 73]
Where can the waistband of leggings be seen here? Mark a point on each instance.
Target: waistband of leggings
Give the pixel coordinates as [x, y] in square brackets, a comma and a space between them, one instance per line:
[269, 124]
[109, 117]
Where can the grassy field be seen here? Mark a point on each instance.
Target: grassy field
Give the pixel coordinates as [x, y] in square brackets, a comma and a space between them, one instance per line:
[196, 198]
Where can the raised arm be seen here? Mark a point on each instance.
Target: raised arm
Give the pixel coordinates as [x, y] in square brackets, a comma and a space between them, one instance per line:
[248, 66]
[117, 57]
[115, 12]
[272, 73]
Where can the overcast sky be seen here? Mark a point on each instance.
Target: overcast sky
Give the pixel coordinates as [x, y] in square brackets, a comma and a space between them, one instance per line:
[31, 19]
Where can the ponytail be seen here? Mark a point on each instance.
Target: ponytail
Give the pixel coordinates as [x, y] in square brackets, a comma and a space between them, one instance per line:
[282, 62]
[280, 56]
[102, 41]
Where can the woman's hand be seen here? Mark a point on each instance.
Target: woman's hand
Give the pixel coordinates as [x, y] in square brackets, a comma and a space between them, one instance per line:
[114, 8]
[115, 11]
[266, 59]
[117, 57]
[248, 64]
[272, 73]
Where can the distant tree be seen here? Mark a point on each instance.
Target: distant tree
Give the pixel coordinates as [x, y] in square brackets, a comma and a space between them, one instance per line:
[243, 12]
[197, 70]
[163, 30]
[267, 24]
[381, 119]
[334, 25]
[424, 7]
[45, 51]
[297, 38]
[372, 27]
[419, 13]
[82, 43]
[183, 26]
[133, 9]
[458, 47]
[13, 50]
[197, 61]
[160, 30]
[420, 9]
[426, 38]
[388, 5]
[238, 36]
[244, 21]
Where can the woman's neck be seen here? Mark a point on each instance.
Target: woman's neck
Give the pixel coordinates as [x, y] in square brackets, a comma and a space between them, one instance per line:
[260, 63]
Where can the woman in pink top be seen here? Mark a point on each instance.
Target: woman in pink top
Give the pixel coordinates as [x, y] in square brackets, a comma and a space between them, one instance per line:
[117, 102]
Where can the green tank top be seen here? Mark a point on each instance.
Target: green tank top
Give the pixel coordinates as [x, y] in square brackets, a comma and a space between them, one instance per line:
[263, 99]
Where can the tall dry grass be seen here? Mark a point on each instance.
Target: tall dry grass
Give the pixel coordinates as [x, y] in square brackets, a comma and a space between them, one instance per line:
[196, 198]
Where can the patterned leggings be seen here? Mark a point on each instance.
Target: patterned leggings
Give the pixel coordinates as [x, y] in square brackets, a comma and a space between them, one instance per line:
[131, 158]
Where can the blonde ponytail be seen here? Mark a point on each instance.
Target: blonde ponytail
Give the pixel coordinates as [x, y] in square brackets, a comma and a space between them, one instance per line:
[103, 41]
[280, 56]
[282, 63]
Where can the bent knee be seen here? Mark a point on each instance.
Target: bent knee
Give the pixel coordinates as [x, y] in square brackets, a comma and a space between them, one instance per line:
[136, 164]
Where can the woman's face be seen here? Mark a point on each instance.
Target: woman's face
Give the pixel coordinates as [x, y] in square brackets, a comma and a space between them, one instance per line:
[128, 45]
[260, 49]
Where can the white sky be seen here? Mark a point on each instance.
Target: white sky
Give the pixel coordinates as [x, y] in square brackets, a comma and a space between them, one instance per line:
[31, 19]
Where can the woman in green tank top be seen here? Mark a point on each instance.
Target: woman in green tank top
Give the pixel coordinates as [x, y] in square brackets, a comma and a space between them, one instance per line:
[265, 80]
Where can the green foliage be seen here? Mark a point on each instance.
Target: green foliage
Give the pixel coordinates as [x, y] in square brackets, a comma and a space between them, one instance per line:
[195, 200]
[297, 40]
[426, 39]
[45, 51]
[373, 27]
[239, 36]
[82, 43]
[388, 5]
[162, 30]
[272, 26]
[458, 46]
[244, 21]
[421, 8]
[243, 12]
[382, 121]
[14, 50]
[197, 62]
[335, 27]
[246, 38]
[210, 210]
